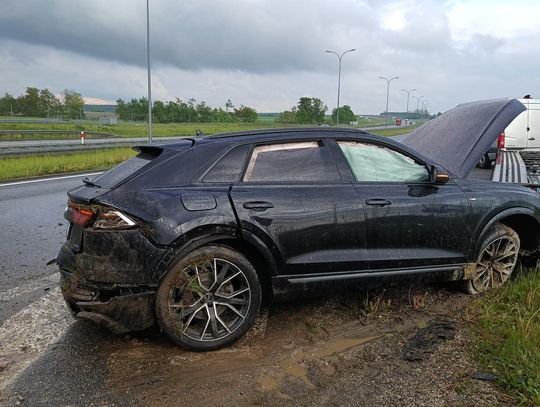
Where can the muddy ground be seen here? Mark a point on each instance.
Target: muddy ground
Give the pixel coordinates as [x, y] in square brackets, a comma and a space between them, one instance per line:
[342, 350]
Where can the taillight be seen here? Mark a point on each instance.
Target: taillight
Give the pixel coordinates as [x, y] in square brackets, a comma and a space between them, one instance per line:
[98, 217]
[112, 219]
[81, 214]
[500, 141]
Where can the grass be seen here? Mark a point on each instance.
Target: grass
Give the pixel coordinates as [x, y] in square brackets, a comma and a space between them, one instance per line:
[31, 166]
[131, 129]
[506, 336]
[396, 131]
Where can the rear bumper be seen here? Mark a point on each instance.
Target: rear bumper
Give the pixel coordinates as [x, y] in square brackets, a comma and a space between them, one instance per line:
[113, 280]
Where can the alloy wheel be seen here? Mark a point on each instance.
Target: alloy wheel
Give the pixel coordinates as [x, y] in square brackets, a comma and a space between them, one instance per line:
[496, 263]
[209, 299]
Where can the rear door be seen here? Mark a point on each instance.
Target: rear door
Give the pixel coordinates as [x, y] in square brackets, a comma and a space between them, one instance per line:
[292, 197]
[410, 221]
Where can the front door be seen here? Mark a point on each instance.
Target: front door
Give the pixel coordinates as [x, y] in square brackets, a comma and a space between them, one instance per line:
[410, 221]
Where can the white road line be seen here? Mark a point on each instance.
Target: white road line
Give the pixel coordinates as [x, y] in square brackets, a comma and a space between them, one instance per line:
[29, 332]
[41, 283]
[49, 179]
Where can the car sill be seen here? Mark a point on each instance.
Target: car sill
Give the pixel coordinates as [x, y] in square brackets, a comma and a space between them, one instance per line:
[312, 278]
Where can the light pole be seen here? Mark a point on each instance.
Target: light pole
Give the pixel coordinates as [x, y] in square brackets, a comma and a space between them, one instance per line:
[148, 64]
[387, 95]
[408, 92]
[339, 77]
[417, 101]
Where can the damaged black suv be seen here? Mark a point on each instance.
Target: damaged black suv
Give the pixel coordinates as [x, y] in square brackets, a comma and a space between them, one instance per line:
[192, 235]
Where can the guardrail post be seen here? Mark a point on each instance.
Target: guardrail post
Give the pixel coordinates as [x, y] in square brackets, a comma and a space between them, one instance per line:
[82, 137]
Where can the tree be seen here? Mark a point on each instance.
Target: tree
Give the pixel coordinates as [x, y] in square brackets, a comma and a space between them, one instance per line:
[8, 104]
[346, 115]
[29, 102]
[310, 110]
[288, 116]
[73, 104]
[245, 114]
[49, 104]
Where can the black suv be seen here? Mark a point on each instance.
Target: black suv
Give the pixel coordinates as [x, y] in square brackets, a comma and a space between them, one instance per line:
[194, 234]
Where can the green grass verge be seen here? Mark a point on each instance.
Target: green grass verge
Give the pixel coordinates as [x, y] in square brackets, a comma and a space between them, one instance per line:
[32, 166]
[395, 131]
[506, 336]
[127, 129]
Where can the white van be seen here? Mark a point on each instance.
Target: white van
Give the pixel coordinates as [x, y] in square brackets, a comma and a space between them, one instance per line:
[519, 155]
[524, 131]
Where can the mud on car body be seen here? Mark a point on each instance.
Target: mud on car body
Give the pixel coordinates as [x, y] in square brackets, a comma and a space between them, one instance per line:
[192, 235]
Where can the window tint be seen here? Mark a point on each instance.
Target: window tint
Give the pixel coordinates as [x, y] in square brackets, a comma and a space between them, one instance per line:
[371, 162]
[304, 161]
[229, 167]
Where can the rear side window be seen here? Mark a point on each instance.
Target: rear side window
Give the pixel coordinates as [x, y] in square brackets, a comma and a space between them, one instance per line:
[229, 167]
[372, 162]
[119, 173]
[291, 162]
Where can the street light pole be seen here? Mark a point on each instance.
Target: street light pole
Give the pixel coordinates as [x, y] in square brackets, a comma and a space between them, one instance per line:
[408, 92]
[148, 64]
[417, 101]
[387, 95]
[339, 77]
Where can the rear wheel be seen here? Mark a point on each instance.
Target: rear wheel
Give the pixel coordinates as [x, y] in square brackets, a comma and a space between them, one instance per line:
[496, 260]
[208, 299]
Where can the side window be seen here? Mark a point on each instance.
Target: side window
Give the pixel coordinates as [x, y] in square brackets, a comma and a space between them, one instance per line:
[229, 167]
[371, 162]
[290, 162]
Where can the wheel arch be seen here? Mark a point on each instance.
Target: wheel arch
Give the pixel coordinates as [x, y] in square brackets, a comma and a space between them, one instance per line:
[247, 244]
[523, 221]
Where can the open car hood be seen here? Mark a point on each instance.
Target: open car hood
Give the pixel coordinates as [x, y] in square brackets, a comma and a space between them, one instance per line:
[458, 138]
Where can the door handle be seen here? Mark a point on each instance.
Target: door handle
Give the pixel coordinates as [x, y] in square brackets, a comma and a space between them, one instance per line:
[378, 202]
[258, 206]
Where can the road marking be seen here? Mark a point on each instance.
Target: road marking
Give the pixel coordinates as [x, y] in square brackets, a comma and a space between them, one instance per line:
[41, 283]
[50, 179]
[31, 331]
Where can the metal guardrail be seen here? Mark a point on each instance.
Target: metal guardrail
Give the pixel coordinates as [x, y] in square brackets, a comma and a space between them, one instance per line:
[71, 132]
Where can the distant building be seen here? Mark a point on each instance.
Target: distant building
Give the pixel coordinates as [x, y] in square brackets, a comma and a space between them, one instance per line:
[108, 120]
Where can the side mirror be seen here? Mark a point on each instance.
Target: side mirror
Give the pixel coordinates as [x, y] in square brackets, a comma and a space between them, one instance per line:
[437, 175]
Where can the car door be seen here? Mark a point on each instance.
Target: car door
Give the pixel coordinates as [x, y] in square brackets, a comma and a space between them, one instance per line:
[411, 222]
[293, 199]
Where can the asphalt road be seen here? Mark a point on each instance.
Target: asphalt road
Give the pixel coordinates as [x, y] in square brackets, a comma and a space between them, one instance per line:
[46, 357]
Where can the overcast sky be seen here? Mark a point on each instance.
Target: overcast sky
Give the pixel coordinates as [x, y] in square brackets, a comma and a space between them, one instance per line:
[267, 54]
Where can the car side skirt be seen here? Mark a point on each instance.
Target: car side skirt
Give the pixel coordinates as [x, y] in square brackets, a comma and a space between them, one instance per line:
[351, 275]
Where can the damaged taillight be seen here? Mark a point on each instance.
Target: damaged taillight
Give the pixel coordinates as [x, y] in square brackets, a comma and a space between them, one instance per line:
[81, 214]
[98, 217]
[112, 219]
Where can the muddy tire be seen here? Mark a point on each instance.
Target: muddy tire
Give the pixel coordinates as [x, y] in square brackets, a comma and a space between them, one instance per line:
[208, 299]
[496, 260]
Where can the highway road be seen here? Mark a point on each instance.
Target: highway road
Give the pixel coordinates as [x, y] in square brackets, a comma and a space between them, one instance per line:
[47, 357]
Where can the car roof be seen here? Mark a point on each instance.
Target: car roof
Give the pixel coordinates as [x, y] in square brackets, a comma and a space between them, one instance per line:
[276, 134]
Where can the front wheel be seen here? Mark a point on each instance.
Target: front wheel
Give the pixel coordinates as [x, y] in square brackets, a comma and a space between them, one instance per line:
[485, 162]
[496, 260]
[208, 299]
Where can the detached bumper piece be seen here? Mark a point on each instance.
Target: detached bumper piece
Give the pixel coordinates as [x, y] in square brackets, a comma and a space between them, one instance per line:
[120, 308]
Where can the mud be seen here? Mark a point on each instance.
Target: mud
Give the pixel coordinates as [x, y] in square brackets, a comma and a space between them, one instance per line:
[342, 350]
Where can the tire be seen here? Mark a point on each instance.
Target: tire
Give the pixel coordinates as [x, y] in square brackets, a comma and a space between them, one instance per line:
[485, 162]
[208, 299]
[496, 259]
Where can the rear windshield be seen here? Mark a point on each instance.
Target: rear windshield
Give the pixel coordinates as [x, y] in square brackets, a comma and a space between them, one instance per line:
[114, 176]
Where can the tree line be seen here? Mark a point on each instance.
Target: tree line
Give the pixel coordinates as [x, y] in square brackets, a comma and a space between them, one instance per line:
[312, 111]
[70, 105]
[43, 103]
[178, 111]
